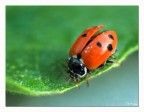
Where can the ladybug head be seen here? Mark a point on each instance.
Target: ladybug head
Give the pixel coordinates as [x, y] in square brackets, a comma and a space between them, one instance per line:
[76, 68]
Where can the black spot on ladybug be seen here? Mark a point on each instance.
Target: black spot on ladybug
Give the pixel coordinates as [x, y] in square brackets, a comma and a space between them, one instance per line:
[110, 36]
[84, 35]
[109, 47]
[99, 44]
[79, 56]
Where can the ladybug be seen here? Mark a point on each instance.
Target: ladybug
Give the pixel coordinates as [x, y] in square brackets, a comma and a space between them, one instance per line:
[91, 50]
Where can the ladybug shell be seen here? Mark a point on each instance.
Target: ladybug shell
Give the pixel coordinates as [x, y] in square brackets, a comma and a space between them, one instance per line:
[94, 49]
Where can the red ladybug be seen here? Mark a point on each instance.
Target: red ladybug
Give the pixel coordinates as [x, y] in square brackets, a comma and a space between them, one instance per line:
[90, 51]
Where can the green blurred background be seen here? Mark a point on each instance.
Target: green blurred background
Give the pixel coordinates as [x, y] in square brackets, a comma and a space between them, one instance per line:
[43, 35]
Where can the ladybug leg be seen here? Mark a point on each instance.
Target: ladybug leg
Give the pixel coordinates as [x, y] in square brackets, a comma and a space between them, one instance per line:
[112, 59]
[87, 80]
[77, 81]
[88, 71]
[115, 51]
[88, 76]
[102, 65]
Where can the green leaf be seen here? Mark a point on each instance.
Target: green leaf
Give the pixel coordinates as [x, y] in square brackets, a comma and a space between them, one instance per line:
[38, 39]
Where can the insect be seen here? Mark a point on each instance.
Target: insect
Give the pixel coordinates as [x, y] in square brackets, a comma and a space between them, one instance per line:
[91, 50]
